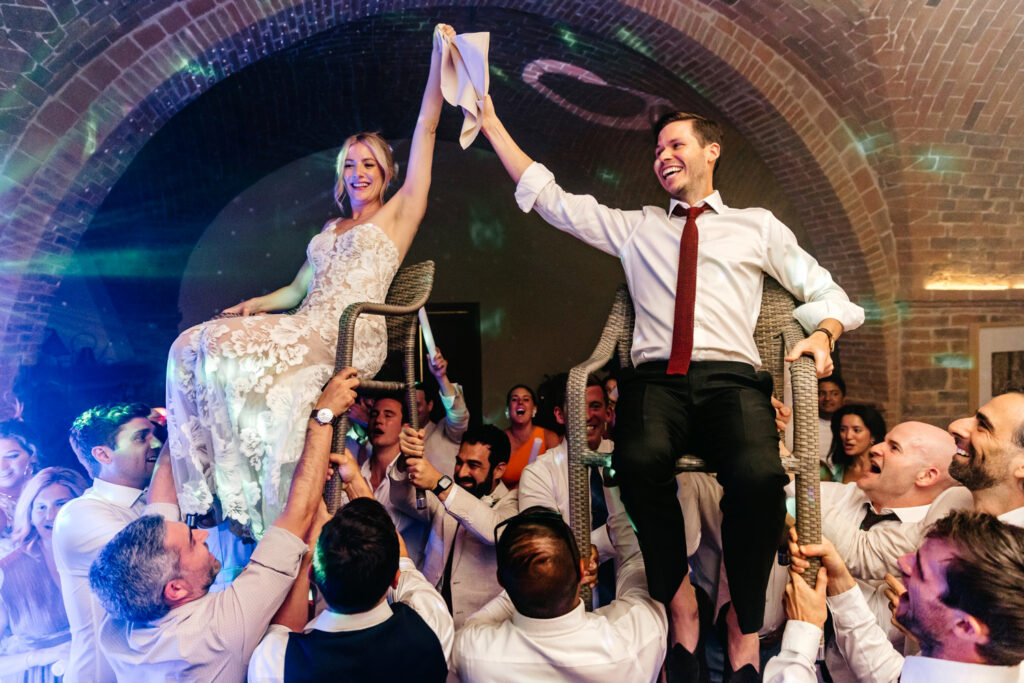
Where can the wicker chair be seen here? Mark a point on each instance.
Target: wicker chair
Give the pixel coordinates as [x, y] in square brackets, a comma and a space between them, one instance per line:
[409, 291]
[776, 331]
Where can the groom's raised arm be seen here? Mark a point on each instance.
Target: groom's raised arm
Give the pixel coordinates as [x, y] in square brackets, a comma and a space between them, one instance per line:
[512, 156]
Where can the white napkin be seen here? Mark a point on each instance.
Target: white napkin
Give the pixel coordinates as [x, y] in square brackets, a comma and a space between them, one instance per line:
[465, 79]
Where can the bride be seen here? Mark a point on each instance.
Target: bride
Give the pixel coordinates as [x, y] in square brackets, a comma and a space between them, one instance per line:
[240, 390]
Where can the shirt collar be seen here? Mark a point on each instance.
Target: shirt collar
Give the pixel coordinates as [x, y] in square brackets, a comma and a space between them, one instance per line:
[1014, 517]
[907, 515]
[930, 669]
[714, 200]
[334, 622]
[568, 622]
[125, 496]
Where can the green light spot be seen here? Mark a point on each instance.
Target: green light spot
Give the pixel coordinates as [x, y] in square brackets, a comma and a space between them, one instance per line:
[608, 176]
[627, 38]
[499, 73]
[90, 137]
[957, 361]
[568, 37]
[491, 323]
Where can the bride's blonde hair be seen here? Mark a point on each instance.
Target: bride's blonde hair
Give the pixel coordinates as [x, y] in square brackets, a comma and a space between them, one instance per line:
[381, 151]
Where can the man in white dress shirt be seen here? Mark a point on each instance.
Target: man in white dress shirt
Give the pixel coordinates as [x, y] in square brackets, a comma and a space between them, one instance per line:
[387, 417]
[462, 512]
[989, 462]
[962, 603]
[115, 443]
[695, 386]
[545, 481]
[538, 630]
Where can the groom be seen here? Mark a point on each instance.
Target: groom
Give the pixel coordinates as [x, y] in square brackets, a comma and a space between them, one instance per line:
[694, 388]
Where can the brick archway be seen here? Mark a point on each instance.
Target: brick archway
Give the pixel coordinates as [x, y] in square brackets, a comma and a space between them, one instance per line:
[102, 104]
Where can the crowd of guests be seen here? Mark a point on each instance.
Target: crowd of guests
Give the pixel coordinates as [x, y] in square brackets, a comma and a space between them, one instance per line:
[922, 560]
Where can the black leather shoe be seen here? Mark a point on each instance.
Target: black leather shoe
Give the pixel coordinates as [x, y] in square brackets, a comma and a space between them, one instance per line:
[746, 674]
[683, 666]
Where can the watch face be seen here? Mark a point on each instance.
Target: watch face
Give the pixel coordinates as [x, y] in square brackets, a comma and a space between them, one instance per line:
[324, 415]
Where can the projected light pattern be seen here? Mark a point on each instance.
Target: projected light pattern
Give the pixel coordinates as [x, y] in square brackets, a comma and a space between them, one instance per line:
[491, 322]
[485, 232]
[535, 70]
[634, 42]
[956, 361]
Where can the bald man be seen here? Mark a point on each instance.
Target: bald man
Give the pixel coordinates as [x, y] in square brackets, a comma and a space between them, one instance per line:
[909, 469]
[908, 472]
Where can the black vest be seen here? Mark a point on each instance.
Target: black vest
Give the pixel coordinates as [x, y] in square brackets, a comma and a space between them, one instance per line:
[401, 649]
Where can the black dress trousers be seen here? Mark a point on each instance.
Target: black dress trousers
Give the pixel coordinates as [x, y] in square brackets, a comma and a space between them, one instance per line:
[720, 411]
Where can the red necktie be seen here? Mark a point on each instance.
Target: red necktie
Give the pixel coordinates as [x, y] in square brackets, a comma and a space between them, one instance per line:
[686, 292]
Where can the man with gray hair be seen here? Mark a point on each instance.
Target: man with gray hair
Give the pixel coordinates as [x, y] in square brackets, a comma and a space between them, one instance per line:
[153, 577]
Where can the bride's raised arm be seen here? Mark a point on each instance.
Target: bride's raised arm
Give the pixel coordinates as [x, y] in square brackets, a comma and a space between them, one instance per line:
[405, 210]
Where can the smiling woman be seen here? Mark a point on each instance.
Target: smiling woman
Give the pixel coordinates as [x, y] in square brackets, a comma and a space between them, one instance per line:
[17, 463]
[34, 629]
[239, 390]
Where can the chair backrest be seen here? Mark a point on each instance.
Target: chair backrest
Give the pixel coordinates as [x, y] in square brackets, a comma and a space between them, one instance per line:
[411, 284]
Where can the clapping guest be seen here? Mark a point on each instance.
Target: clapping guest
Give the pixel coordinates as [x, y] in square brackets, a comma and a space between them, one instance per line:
[523, 434]
[17, 463]
[33, 624]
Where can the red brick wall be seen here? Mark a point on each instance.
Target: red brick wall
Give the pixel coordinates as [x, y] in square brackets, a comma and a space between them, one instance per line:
[895, 131]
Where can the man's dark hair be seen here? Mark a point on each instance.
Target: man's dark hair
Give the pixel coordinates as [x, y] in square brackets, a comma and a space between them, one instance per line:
[356, 557]
[835, 379]
[98, 426]
[131, 571]
[706, 130]
[492, 437]
[984, 580]
[538, 563]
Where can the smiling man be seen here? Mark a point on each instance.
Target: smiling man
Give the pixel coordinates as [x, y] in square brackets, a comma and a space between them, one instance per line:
[989, 462]
[695, 387]
[459, 557]
[962, 603]
[116, 445]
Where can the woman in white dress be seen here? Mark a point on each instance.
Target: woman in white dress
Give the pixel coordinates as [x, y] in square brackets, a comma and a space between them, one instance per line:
[240, 390]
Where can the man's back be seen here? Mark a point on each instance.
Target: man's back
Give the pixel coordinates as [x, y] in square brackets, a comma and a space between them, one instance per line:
[625, 641]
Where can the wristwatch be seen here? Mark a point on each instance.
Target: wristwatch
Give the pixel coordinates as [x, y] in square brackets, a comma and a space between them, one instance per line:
[324, 416]
[443, 484]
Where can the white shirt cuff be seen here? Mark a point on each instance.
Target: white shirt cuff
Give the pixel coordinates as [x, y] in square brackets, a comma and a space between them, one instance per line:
[453, 491]
[534, 179]
[449, 401]
[801, 637]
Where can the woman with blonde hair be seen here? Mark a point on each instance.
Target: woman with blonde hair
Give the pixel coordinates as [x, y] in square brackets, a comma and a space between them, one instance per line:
[240, 391]
[18, 460]
[33, 625]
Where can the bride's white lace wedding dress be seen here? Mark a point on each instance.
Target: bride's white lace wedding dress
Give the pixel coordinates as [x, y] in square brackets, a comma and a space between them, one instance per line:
[240, 390]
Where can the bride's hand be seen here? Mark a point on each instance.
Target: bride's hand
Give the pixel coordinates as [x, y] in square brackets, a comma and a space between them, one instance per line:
[442, 31]
[247, 307]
